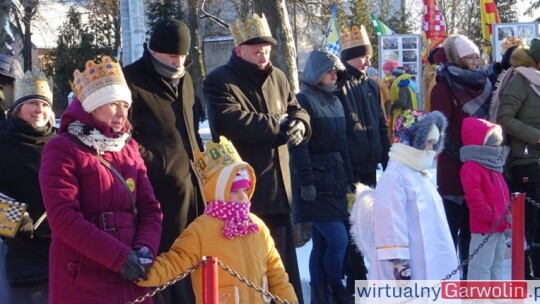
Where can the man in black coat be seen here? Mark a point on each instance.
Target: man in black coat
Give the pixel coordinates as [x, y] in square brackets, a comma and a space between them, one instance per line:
[250, 103]
[367, 133]
[165, 121]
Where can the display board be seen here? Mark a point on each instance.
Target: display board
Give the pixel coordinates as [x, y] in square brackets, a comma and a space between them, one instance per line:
[510, 31]
[407, 50]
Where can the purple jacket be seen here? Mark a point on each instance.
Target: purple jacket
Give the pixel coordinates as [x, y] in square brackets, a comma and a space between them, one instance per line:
[90, 215]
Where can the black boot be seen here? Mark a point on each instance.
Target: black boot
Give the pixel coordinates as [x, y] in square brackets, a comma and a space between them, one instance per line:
[320, 294]
[338, 294]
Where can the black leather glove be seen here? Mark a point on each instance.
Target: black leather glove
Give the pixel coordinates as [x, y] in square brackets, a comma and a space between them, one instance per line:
[402, 270]
[308, 193]
[295, 131]
[132, 269]
[26, 228]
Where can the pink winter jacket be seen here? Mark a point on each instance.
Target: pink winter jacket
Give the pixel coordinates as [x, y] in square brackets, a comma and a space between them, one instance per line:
[486, 192]
[90, 215]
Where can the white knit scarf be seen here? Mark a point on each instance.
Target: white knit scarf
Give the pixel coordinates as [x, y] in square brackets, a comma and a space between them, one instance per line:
[418, 160]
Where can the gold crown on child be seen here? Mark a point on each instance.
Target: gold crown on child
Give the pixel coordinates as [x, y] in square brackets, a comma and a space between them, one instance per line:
[253, 27]
[96, 75]
[32, 84]
[215, 157]
[355, 36]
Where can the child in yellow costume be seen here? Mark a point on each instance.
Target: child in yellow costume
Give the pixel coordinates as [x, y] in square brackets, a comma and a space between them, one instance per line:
[227, 231]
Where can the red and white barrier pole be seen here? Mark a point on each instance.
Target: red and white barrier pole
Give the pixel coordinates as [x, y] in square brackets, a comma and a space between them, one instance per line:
[210, 280]
[518, 236]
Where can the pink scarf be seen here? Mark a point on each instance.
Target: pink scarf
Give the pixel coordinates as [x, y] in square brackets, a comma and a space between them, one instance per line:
[235, 216]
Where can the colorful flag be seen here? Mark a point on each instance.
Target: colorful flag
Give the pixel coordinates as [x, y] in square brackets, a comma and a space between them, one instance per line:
[433, 28]
[380, 27]
[489, 15]
[331, 35]
[11, 214]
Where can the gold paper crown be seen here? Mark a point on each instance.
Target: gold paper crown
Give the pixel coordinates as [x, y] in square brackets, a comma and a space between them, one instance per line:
[253, 27]
[356, 36]
[33, 85]
[96, 76]
[509, 42]
[215, 157]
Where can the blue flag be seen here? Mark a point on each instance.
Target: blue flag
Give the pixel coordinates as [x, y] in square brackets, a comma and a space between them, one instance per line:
[331, 35]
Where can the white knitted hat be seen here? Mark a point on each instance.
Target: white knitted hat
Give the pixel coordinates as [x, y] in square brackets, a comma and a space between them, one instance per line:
[465, 47]
[105, 95]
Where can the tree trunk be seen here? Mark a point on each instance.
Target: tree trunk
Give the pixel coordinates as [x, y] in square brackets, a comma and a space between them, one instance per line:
[284, 53]
[30, 9]
[196, 48]
[6, 38]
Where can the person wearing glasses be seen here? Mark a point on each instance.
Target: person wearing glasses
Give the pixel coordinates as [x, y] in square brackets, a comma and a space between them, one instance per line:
[462, 90]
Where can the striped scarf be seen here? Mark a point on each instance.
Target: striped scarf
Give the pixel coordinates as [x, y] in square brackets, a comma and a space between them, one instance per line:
[471, 90]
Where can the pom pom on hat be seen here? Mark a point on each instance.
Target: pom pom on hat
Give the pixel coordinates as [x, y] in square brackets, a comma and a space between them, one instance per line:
[170, 37]
[465, 47]
[241, 180]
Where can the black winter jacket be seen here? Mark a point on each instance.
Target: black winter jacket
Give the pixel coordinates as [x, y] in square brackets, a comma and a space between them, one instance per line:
[27, 260]
[367, 133]
[245, 105]
[323, 161]
[165, 124]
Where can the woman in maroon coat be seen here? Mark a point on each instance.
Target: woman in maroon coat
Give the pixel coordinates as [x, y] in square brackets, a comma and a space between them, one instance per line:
[462, 90]
[102, 224]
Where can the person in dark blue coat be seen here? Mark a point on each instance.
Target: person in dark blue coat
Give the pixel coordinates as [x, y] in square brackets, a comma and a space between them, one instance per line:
[322, 175]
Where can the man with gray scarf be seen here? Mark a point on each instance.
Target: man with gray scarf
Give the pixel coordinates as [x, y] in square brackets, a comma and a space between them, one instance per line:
[165, 116]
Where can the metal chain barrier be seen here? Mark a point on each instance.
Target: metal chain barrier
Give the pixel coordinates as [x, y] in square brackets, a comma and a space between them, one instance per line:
[251, 285]
[169, 283]
[226, 268]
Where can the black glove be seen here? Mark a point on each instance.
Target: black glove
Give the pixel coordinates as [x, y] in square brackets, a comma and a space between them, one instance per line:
[26, 228]
[295, 131]
[308, 193]
[132, 270]
[402, 270]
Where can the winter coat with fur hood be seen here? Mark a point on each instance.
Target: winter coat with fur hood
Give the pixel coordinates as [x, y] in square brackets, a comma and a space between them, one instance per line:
[486, 192]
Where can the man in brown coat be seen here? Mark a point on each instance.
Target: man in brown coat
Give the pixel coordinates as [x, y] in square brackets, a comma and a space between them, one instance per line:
[250, 102]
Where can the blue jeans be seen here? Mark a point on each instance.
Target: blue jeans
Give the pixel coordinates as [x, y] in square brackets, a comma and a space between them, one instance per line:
[328, 252]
